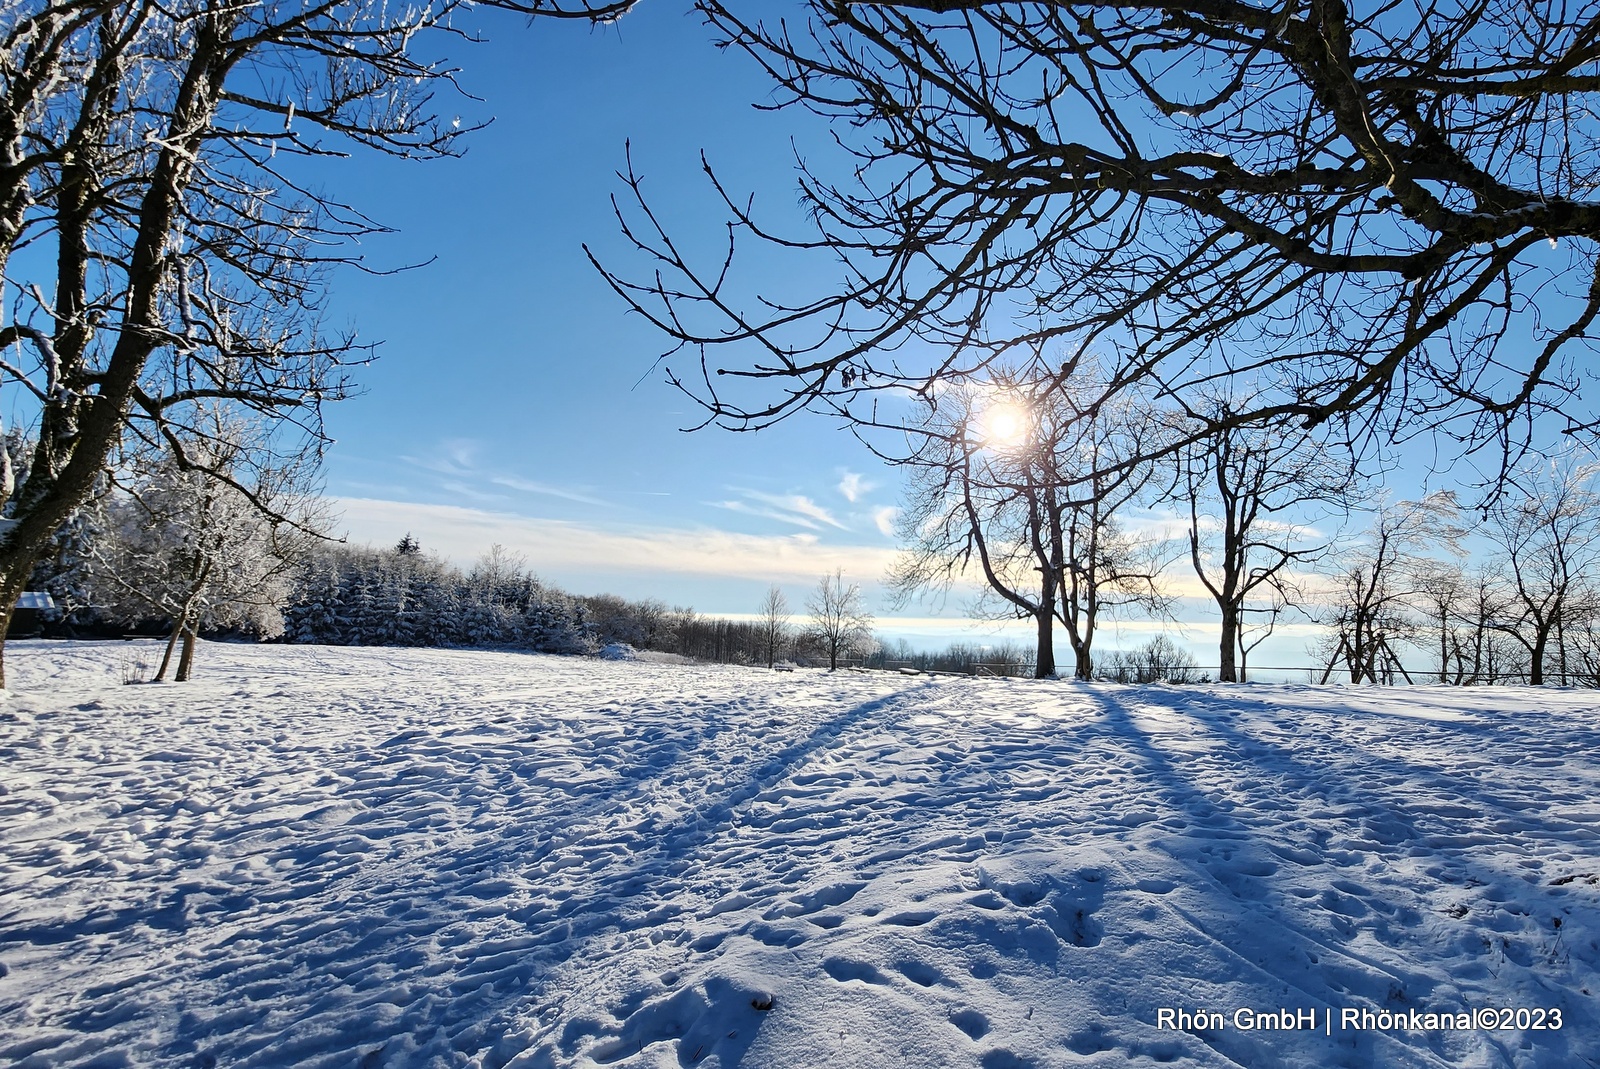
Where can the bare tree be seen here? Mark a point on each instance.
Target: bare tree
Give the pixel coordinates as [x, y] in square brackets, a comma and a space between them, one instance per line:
[1015, 479]
[1346, 210]
[1108, 572]
[1370, 613]
[1443, 594]
[839, 617]
[153, 158]
[1493, 654]
[772, 622]
[1584, 638]
[1160, 660]
[1548, 527]
[1258, 622]
[982, 494]
[1247, 488]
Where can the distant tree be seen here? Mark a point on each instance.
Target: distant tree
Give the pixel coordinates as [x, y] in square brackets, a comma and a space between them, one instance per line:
[772, 623]
[840, 621]
[1584, 642]
[1443, 594]
[1485, 608]
[1109, 572]
[361, 596]
[408, 546]
[640, 624]
[489, 610]
[1369, 611]
[1245, 486]
[552, 621]
[316, 607]
[1257, 624]
[1158, 661]
[1465, 612]
[1548, 528]
[682, 624]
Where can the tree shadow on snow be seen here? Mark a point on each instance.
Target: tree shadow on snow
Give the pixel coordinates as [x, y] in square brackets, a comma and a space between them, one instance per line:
[1346, 944]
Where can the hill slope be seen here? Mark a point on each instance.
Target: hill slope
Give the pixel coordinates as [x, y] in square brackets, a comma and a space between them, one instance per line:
[373, 857]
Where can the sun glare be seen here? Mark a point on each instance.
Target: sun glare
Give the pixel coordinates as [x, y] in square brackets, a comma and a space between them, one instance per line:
[1004, 425]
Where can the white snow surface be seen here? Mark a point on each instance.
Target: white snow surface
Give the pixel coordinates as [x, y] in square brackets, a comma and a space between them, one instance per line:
[376, 857]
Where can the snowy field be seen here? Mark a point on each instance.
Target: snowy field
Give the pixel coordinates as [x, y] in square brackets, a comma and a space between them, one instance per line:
[374, 857]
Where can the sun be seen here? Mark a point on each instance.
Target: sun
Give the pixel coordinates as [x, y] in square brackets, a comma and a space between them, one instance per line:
[1004, 425]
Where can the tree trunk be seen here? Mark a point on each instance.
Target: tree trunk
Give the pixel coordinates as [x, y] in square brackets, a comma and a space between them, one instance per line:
[25, 541]
[186, 658]
[1541, 639]
[10, 593]
[172, 641]
[1083, 668]
[1044, 618]
[1044, 665]
[1478, 635]
[1561, 650]
[1227, 670]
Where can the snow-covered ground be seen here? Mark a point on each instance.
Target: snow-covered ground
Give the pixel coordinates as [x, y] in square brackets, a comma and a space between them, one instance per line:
[374, 857]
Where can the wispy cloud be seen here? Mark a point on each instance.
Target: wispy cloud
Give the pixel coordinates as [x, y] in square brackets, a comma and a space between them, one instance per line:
[455, 460]
[453, 456]
[555, 546]
[746, 509]
[466, 492]
[796, 509]
[527, 486]
[853, 485]
[461, 452]
[883, 518]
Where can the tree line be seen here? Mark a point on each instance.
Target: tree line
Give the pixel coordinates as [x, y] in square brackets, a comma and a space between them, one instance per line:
[182, 553]
[1274, 527]
[1030, 486]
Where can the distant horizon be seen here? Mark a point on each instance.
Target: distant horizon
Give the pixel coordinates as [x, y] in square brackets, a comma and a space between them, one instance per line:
[682, 572]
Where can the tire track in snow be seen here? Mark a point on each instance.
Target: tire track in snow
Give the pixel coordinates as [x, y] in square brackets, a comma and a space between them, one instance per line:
[416, 855]
[586, 896]
[650, 887]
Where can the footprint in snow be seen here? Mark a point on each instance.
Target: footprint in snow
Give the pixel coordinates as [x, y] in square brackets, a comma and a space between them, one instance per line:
[973, 1023]
[1064, 896]
[844, 970]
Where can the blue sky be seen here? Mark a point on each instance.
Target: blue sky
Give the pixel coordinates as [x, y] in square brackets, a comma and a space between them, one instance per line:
[513, 401]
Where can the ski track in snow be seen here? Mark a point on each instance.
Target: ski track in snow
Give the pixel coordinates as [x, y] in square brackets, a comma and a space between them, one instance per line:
[383, 857]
